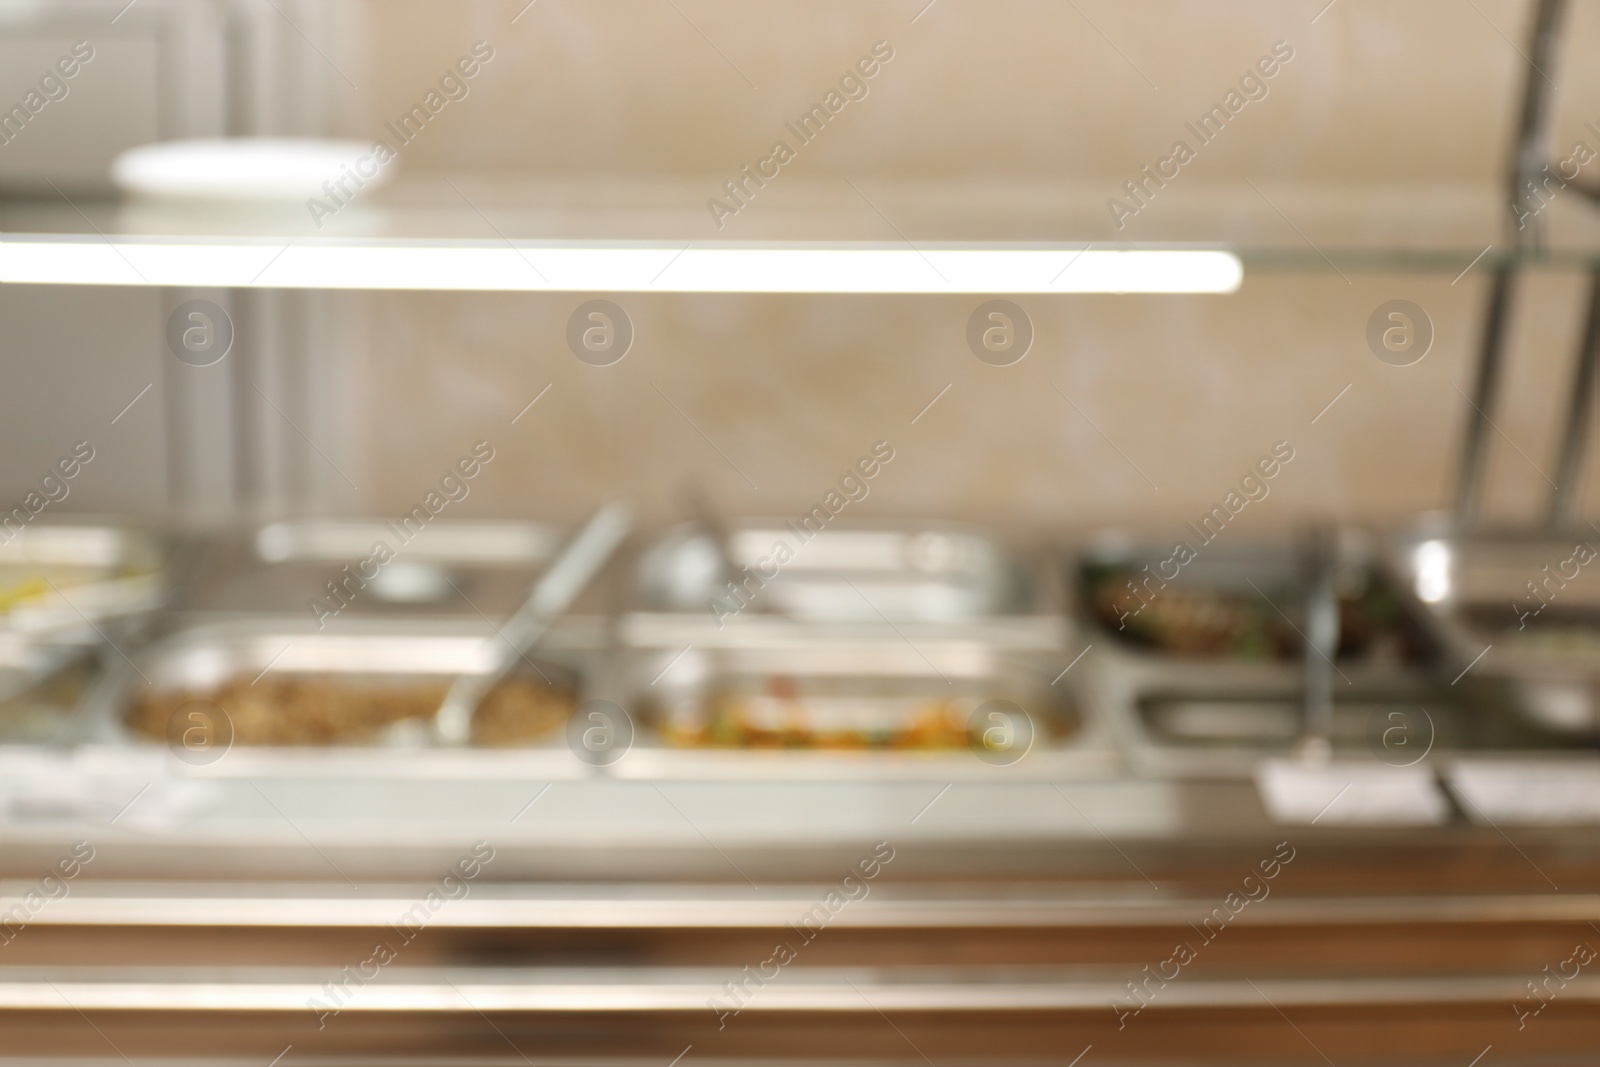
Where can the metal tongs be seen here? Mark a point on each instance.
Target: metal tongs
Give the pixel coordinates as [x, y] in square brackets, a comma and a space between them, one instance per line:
[579, 561]
[1321, 644]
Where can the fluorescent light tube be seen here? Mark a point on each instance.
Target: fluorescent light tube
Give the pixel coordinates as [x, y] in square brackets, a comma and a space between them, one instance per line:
[610, 267]
[242, 168]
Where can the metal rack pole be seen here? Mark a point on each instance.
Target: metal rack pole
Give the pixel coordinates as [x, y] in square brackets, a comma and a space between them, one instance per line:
[1575, 439]
[1529, 158]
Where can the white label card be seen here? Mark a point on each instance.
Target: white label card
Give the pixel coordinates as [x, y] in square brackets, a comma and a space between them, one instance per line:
[1529, 792]
[1350, 794]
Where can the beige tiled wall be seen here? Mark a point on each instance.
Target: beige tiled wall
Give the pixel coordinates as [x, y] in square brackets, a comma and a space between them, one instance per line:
[1130, 409]
[1422, 89]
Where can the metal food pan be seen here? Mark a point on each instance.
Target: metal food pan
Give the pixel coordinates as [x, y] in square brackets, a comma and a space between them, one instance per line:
[57, 581]
[785, 697]
[1518, 616]
[65, 590]
[460, 568]
[1212, 734]
[932, 572]
[1231, 615]
[1223, 687]
[480, 543]
[1223, 721]
[347, 684]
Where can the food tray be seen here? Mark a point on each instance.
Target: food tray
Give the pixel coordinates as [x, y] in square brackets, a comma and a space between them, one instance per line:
[1208, 678]
[849, 572]
[766, 696]
[467, 569]
[66, 589]
[359, 676]
[57, 581]
[1235, 611]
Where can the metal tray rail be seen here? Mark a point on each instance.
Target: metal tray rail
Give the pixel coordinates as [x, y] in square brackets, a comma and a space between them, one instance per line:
[651, 990]
[611, 906]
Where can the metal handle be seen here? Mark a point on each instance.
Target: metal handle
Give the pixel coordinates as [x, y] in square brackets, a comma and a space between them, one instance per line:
[1321, 642]
[1575, 440]
[559, 586]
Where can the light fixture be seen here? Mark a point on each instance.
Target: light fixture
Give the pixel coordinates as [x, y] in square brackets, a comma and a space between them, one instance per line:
[244, 168]
[610, 266]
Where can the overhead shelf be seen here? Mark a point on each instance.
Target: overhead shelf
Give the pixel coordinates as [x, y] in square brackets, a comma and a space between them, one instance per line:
[639, 234]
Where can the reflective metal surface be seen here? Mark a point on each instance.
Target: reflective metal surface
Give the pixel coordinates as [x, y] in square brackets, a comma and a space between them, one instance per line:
[369, 567]
[1518, 617]
[809, 569]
